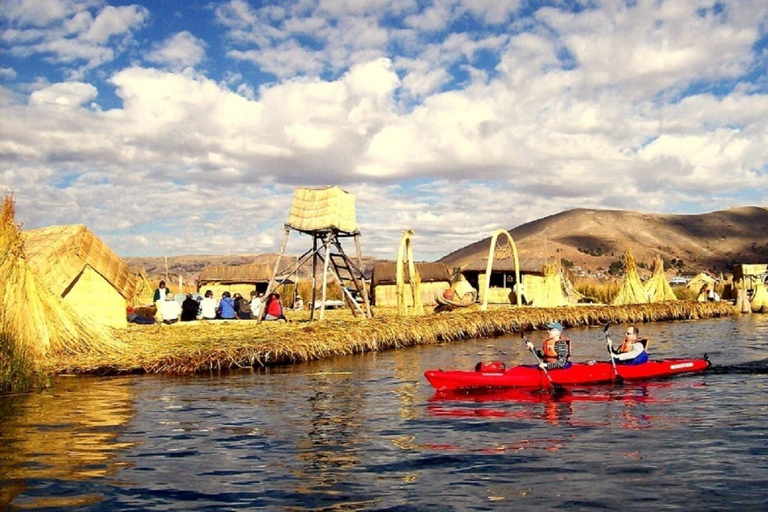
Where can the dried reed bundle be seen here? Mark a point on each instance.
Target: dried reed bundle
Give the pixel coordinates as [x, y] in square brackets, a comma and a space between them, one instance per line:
[759, 300]
[551, 295]
[632, 291]
[35, 320]
[209, 346]
[657, 287]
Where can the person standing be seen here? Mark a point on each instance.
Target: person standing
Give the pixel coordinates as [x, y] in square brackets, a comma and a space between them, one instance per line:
[160, 292]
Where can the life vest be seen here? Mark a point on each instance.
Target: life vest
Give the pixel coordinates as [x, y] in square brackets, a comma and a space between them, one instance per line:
[626, 345]
[548, 349]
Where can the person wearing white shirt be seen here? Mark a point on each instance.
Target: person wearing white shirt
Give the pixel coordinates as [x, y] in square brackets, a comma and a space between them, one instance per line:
[208, 306]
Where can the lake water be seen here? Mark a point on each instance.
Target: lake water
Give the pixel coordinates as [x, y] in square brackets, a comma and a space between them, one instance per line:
[368, 433]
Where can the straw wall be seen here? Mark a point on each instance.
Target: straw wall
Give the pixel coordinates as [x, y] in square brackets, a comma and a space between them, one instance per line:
[386, 294]
[322, 209]
[93, 297]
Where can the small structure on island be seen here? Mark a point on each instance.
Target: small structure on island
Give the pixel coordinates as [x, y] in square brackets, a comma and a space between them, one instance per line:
[242, 279]
[701, 282]
[81, 269]
[657, 288]
[435, 278]
[328, 216]
[500, 289]
[632, 290]
[35, 322]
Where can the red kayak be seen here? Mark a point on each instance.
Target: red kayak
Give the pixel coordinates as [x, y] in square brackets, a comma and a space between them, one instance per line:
[526, 376]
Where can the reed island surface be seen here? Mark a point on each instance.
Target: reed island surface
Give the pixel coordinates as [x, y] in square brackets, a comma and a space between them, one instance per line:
[204, 346]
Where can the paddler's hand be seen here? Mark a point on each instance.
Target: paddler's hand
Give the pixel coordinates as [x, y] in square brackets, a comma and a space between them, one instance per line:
[543, 366]
[529, 345]
[608, 343]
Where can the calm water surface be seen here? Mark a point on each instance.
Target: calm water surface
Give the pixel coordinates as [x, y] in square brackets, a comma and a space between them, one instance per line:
[368, 433]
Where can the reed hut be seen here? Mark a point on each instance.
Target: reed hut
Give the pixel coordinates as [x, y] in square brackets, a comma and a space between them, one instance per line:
[435, 278]
[657, 288]
[551, 292]
[703, 278]
[242, 279]
[502, 279]
[77, 266]
[35, 322]
[632, 290]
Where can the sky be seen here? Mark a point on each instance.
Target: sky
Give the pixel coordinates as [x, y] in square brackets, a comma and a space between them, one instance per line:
[175, 127]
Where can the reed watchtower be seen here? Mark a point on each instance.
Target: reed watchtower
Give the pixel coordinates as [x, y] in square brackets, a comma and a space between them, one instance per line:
[327, 215]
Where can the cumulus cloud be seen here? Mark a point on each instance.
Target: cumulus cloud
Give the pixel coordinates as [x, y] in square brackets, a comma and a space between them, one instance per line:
[179, 51]
[452, 133]
[70, 32]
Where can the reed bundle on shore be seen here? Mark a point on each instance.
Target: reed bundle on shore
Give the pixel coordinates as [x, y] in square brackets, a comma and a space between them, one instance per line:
[207, 346]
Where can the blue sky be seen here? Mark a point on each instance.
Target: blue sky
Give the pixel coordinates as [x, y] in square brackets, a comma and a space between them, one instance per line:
[183, 127]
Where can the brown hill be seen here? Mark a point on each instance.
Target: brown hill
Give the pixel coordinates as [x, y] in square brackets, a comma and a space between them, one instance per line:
[593, 239]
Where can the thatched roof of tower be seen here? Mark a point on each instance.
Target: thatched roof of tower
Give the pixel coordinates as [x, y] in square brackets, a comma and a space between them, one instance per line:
[60, 253]
[322, 209]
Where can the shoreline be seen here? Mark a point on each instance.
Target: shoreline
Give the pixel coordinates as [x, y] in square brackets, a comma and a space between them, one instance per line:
[199, 347]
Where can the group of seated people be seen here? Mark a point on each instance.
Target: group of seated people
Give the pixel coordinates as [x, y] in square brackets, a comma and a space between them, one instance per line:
[207, 307]
[555, 352]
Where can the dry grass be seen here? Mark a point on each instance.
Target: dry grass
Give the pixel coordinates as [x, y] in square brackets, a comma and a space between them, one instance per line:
[602, 292]
[213, 346]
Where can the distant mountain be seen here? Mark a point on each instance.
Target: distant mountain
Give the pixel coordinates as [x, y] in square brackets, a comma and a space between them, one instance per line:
[594, 238]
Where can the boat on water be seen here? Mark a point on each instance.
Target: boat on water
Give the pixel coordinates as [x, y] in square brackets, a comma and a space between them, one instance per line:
[495, 375]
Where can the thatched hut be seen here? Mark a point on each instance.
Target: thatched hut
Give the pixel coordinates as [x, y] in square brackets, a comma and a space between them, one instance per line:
[502, 279]
[434, 278]
[751, 275]
[703, 278]
[242, 279]
[77, 266]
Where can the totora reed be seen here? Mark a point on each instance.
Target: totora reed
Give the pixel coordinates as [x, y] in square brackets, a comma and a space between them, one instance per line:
[213, 346]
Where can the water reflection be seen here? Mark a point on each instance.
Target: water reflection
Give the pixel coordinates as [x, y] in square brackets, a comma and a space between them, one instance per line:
[69, 433]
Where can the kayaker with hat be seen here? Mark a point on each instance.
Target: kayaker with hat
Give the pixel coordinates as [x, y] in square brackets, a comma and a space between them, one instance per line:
[633, 349]
[555, 352]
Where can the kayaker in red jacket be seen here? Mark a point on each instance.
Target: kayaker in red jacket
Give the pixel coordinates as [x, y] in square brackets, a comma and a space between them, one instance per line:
[555, 352]
[633, 349]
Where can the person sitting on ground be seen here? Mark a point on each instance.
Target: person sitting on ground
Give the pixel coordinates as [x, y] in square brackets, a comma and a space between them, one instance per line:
[633, 349]
[242, 307]
[256, 299]
[135, 318]
[299, 303]
[227, 307]
[274, 309]
[208, 306]
[189, 309]
[555, 352]
[170, 310]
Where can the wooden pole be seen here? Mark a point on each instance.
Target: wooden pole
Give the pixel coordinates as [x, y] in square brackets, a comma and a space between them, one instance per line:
[363, 287]
[314, 277]
[327, 246]
[273, 276]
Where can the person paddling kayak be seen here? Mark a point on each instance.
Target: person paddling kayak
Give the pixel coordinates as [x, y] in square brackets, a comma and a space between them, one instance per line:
[555, 352]
[633, 349]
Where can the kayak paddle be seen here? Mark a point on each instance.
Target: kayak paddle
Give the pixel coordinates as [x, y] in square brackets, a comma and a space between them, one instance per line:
[608, 343]
[555, 387]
